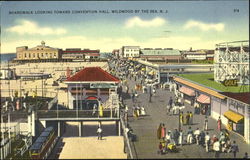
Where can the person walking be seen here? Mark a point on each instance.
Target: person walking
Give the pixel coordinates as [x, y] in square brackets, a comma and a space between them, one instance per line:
[234, 149]
[205, 124]
[216, 148]
[163, 131]
[187, 118]
[190, 118]
[99, 133]
[190, 136]
[219, 124]
[181, 118]
[159, 131]
[176, 135]
[180, 139]
[197, 134]
[207, 141]
[133, 97]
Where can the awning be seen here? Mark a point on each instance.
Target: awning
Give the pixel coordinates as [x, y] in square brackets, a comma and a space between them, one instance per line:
[203, 99]
[235, 117]
[91, 98]
[187, 91]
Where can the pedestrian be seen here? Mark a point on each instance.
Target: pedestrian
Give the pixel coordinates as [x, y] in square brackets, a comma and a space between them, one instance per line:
[176, 135]
[234, 148]
[94, 109]
[202, 138]
[99, 133]
[190, 118]
[216, 148]
[187, 118]
[133, 97]
[170, 102]
[207, 141]
[181, 118]
[246, 156]
[101, 110]
[159, 131]
[163, 131]
[180, 139]
[206, 124]
[219, 124]
[197, 134]
[190, 136]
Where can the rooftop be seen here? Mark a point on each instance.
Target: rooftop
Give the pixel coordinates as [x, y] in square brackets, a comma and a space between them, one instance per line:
[162, 52]
[243, 97]
[93, 74]
[207, 79]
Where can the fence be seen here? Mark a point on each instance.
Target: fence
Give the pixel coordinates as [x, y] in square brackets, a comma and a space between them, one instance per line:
[106, 113]
[126, 141]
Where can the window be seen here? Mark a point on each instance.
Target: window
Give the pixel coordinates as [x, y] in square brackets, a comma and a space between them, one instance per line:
[46, 54]
[25, 55]
[50, 55]
[37, 48]
[34, 55]
[41, 54]
[29, 55]
[54, 54]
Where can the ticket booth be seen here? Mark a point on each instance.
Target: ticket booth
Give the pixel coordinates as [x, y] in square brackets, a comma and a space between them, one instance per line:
[235, 122]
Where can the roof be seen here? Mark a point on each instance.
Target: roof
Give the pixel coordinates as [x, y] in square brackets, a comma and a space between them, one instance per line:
[235, 117]
[92, 54]
[187, 91]
[243, 96]
[162, 52]
[203, 99]
[198, 87]
[81, 51]
[92, 74]
[36, 146]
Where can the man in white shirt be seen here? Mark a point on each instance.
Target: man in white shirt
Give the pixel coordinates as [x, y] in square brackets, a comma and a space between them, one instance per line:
[197, 133]
[216, 148]
[207, 141]
[99, 132]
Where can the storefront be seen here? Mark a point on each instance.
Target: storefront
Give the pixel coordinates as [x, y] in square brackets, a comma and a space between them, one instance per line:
[204, 104]
[235, 122]
[188, 95]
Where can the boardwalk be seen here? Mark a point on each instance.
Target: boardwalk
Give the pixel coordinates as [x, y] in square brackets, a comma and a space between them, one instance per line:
[145, 128]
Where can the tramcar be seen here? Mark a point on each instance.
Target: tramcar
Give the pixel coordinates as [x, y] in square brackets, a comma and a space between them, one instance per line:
[44, 144]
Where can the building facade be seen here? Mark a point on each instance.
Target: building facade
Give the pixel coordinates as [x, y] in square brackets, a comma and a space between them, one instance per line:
[79, 54]
[131, 51]
[40, 52]
[159, 53]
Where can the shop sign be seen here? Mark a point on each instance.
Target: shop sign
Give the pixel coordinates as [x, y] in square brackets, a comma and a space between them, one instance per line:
[102, 85]
[230, 82]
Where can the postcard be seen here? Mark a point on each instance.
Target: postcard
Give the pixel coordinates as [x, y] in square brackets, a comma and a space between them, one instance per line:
[125, 79]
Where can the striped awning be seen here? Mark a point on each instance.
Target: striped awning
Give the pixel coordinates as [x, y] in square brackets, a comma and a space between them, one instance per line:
[187, 91]
[235, 117]
[203, 99]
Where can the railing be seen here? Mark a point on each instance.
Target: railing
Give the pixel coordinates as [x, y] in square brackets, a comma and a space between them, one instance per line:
[52, 102]
[107, 113]
[127, 141]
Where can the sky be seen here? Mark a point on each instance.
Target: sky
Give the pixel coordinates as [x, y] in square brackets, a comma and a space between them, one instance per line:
[148, 24]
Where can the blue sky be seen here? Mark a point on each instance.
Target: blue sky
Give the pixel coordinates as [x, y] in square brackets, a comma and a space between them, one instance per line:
[196, 24]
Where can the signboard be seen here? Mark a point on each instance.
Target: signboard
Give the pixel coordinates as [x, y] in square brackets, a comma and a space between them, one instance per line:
[230, 82]
[102, 85]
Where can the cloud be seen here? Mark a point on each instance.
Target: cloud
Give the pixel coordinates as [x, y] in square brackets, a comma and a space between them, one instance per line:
[204, 26]
[138, 22]
[32, 28]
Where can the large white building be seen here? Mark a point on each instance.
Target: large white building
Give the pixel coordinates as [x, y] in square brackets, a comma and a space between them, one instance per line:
[131, 51]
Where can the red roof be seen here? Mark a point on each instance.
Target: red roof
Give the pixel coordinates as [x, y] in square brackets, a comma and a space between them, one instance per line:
[93, 74]
[243, 96]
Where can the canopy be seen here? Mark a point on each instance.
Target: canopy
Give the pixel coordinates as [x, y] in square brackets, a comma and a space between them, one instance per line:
[235, 117]
[203, 99]
[187, 91]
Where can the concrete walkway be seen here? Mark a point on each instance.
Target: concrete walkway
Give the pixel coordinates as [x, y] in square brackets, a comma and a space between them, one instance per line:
[146, 128]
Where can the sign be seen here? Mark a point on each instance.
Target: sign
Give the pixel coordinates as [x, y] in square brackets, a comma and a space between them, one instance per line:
[230, 82]
[102, 85]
